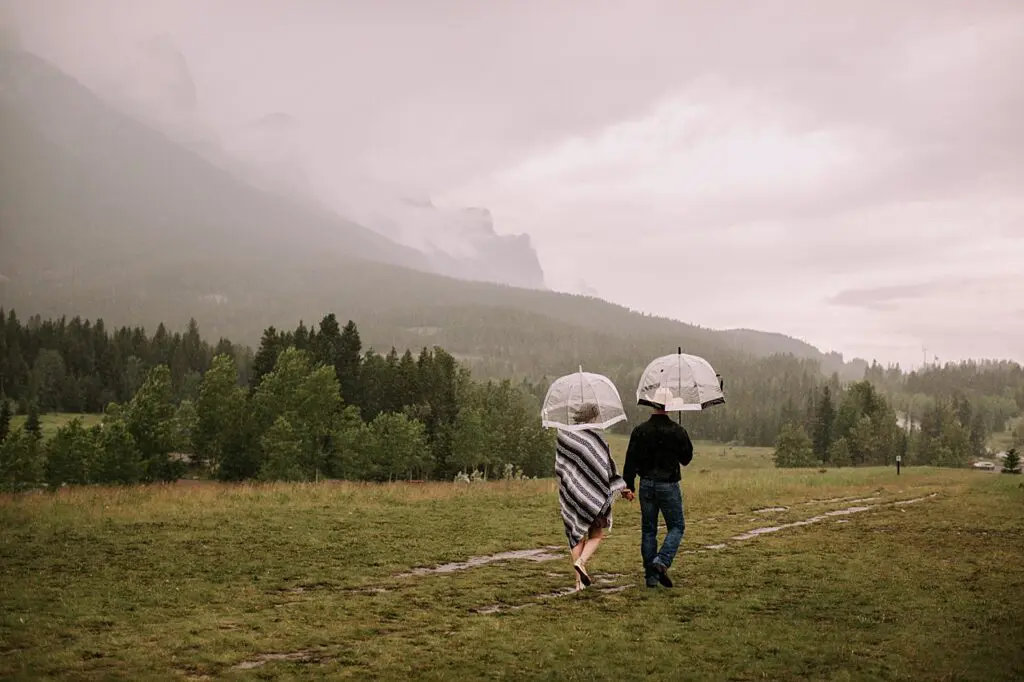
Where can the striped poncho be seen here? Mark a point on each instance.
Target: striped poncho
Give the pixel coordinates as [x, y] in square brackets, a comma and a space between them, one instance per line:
[587, 481]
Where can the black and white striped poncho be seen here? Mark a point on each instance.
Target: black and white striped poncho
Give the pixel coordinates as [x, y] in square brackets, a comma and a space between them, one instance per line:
[587, 481]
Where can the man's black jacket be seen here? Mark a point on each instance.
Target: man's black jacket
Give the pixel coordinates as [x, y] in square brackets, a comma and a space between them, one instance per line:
[656, 449]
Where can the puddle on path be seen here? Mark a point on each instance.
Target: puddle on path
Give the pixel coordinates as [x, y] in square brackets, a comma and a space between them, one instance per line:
[263, 659]
[750, 534]
[833, 500]
[779, 508]
[549, 553]
[864, 499]
[806, 522]
[902, 503]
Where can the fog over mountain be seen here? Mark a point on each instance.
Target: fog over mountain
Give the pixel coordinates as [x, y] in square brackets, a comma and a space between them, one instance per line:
[844, 173]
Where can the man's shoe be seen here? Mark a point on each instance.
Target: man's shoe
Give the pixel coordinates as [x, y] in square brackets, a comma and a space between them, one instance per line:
[662, 574]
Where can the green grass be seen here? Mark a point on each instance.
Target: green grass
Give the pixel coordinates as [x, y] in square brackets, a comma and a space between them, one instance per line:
[53, 421]
[191, 581]
[1004, 440]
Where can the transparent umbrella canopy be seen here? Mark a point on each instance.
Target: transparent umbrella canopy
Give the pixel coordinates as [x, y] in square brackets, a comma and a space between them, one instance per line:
[582, 401]
[680, 383]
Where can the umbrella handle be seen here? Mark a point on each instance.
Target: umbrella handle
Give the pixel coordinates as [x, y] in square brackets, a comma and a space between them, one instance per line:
[679, 353]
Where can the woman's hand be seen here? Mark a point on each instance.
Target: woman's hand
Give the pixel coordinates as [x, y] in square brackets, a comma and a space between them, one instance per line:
[628, 494]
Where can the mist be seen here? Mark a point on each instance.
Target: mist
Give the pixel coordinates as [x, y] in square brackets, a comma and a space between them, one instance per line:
[846, 175]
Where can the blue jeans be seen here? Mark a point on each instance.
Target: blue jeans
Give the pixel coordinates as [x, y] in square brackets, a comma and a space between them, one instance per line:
[667, 499]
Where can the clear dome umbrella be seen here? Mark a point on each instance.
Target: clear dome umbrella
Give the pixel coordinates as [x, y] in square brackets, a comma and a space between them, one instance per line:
[582, 401]
[680, 383]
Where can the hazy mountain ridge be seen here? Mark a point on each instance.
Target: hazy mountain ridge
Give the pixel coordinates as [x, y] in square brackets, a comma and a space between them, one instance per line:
[769, 343]
[126, 181]
[460, 243]
[159, 88]
[102, 216]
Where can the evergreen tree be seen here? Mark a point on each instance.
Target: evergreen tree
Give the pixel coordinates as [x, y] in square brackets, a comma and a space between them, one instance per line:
[823, 424]
[263, 363]
[5, 416]
[33, 427]
[49, 374]
[328, 341]
[224, 347]
[347, 364]
[1011, 465]
[302, 338]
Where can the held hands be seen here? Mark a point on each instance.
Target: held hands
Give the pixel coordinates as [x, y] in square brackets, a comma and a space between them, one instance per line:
[628, 494]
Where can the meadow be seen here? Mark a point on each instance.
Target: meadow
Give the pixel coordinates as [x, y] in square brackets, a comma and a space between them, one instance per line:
[919, 576]
[1004, 440]
[51, 422]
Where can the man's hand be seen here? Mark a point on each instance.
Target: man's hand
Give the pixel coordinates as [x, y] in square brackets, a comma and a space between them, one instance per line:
[628, 494]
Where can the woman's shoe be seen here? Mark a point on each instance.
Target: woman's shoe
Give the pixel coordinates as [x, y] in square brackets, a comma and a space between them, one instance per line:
[582, 573]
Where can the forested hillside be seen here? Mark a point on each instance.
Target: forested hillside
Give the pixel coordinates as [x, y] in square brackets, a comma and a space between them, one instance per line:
[75, 365]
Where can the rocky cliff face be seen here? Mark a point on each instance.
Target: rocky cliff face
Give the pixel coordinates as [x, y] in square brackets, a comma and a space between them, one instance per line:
[458, 242]
[507, 259]
[157, 86]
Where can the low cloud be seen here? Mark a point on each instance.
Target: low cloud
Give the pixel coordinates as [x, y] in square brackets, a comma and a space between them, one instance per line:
[845, 172]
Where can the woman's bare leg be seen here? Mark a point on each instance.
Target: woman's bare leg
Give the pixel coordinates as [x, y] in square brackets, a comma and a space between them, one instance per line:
[592, 544]
[577, 551]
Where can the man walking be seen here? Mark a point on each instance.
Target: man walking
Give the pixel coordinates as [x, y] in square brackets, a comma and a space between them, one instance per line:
[656, 450]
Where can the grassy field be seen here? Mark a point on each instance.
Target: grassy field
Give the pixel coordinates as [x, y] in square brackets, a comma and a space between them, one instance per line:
[204, 580]
[53, 421]
[1004, 440]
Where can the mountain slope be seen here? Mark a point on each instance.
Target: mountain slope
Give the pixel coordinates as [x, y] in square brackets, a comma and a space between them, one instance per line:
[81, 181]
[157, 86]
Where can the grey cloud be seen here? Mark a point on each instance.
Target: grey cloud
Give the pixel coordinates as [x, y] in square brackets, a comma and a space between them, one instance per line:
[884, 297]
[432, 94]
[441, 91]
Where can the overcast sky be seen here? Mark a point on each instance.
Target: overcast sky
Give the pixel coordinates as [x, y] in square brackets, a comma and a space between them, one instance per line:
[850, 173]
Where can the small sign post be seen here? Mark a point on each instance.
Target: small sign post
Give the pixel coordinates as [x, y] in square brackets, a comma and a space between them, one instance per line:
[898, 459]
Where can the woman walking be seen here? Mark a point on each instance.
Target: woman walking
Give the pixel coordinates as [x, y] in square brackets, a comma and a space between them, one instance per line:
[587, 483]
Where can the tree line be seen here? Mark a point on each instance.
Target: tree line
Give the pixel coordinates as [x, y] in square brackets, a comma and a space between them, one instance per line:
[79, 366]
[857, 425]
[314, 406]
